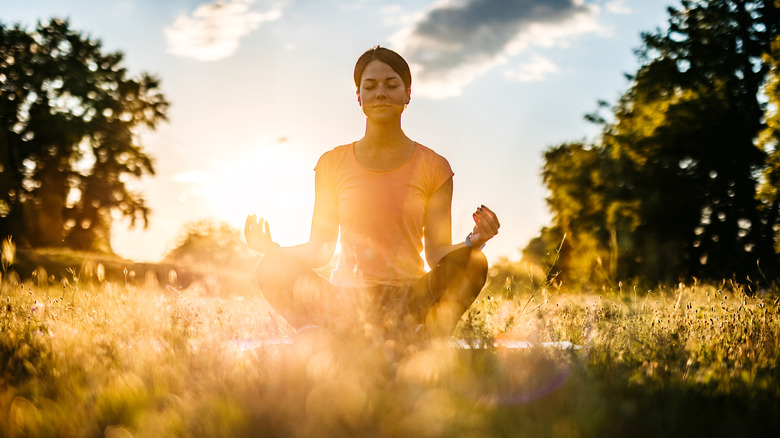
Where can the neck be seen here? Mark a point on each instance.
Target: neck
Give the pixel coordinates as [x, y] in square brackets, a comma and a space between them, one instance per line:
[384, 135]
[383, 147]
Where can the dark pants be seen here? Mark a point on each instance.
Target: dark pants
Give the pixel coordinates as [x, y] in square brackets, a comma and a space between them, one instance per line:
[437, 300]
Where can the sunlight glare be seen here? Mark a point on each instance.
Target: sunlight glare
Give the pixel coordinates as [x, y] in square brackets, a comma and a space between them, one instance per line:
[273, 181]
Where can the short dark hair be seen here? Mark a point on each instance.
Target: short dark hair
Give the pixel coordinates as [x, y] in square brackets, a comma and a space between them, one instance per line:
[389, 57]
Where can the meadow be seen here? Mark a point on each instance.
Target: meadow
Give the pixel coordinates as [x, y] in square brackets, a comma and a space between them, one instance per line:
[82, 356]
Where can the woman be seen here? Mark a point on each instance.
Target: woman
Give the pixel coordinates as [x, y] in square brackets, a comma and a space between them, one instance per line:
[384, 195]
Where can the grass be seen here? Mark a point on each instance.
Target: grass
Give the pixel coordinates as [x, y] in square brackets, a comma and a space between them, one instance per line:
[84, 357]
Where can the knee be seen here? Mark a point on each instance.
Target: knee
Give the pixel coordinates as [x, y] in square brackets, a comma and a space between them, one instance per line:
[464, 268]
[478, 261]
[477, 269]
[473, 262]
[262, 270]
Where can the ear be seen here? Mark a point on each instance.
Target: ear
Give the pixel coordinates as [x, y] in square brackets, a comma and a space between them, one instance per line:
[408, 95]
[358, 96]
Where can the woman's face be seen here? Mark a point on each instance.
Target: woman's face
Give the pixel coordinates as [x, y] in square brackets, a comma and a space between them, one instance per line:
[382, 93]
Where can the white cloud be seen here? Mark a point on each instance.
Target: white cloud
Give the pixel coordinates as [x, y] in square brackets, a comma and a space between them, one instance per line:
[617, 7]
[455, 41]
[214, 30]
[536, 69]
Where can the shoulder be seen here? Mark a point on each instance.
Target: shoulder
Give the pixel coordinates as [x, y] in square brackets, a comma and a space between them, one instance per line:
[431, 158]
[334, 156]
[337, 152]
[426, 151]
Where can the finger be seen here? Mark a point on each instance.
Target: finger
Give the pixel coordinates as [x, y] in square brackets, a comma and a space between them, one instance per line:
[486, 217]
[485, 208]
[486, 220]
[267, 228]
[484, 229]
[489, 213]
[481, 227]
[251, 219]
[492, 215]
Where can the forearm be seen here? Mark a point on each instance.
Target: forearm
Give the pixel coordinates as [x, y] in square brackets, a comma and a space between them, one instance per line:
[312, 254]
[433, 256]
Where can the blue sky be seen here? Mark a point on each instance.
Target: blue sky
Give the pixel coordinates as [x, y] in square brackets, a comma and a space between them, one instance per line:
[259, 89]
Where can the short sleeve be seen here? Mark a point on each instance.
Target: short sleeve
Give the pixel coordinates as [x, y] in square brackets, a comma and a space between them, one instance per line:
[439, 171]
[324, 181]
[322, 162]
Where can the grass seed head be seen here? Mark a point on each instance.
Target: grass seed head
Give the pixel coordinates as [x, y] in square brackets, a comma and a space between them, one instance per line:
[8, 253]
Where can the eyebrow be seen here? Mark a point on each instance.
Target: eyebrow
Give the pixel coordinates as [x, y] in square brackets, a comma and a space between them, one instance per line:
[389, 78]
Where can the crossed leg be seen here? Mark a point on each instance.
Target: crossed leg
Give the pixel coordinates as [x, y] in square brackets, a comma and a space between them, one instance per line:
[437, 299]
[455, 282]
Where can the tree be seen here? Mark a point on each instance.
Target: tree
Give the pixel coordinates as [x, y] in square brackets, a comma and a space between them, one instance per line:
[769, 141]
[577, 179]
[70, 117]
[696, 111]
[216, 244]
[681, 151]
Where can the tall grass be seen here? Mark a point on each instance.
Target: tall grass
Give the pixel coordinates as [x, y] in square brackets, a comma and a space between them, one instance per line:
[95, 358]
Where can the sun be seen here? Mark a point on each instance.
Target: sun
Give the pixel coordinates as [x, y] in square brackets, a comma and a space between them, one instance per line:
[273, 181]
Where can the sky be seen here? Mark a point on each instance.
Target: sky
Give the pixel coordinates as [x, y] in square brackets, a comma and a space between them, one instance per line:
[260, 89]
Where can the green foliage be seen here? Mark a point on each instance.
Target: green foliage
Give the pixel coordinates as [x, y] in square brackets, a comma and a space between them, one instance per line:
[24, 353]
[672, 187]
[69, 122]
[580, 183]
[769, 141]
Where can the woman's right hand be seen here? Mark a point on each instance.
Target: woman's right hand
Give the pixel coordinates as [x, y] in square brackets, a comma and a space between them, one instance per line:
[258, 235]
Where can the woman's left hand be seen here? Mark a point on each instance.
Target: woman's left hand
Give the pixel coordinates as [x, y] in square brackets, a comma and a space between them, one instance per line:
[486, 226]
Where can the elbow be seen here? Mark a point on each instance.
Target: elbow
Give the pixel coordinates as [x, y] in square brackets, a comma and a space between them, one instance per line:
[323, 253]
[433, 257]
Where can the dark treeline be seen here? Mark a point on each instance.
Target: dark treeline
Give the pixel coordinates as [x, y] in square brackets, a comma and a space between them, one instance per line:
[683, 181]
[69, 122]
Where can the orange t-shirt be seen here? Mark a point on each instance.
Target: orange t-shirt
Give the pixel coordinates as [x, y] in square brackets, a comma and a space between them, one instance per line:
[380, 214]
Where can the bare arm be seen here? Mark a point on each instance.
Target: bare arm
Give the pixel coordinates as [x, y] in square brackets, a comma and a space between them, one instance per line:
[438, 226]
